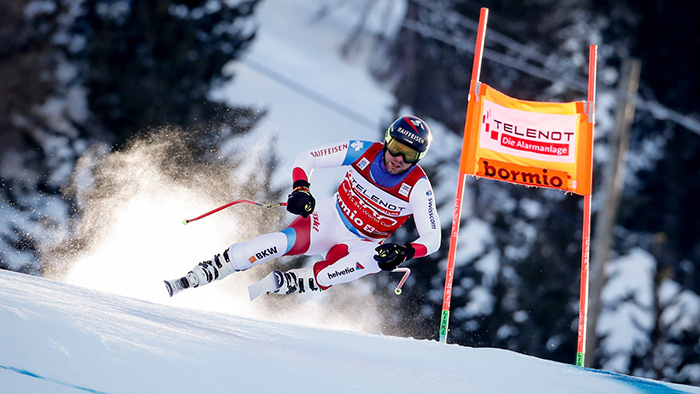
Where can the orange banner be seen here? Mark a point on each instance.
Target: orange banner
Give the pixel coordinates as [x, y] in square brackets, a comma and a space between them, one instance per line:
[528, 142]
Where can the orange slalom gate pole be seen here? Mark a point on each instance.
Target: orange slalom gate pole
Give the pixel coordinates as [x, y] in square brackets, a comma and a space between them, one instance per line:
[586, 241]
[449, 275]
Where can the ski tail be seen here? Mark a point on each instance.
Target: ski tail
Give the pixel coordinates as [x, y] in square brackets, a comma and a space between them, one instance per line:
[269, 284]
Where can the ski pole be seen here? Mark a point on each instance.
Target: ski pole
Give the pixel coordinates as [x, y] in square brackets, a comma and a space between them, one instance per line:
[277, 204]
[406, 272]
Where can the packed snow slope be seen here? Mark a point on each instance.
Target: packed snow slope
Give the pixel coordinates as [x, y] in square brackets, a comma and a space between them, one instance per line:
[60, 338]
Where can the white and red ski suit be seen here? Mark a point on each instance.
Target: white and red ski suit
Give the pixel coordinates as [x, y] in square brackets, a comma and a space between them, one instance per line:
[368, 207]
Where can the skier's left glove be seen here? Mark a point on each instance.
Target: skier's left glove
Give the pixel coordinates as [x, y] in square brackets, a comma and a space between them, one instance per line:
[300, 201]
[390, 256]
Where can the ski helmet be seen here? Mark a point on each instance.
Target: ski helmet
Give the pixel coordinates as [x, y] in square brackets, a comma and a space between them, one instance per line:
[408, 131]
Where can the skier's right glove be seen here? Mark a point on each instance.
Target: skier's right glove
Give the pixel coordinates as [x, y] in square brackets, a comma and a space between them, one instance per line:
[300, 201]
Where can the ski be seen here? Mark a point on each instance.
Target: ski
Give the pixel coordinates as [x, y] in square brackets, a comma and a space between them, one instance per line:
[269, 284]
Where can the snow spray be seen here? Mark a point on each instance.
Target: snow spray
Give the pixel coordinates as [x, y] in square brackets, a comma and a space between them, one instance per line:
[129, 236]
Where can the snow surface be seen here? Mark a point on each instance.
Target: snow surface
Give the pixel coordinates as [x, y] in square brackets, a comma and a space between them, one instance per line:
[60, 338]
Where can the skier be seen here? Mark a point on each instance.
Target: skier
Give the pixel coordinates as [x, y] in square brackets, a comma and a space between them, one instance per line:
[382, 188]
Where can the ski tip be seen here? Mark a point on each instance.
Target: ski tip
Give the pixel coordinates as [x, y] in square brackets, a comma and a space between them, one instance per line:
[168, 287]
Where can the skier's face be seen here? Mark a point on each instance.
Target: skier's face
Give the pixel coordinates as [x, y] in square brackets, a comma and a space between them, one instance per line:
[395, 164]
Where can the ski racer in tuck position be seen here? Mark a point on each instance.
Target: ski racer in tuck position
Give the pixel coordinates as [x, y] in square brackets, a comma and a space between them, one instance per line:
[382, 188]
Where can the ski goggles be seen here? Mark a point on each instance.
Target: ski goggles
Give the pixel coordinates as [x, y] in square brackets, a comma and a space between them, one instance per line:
[409, 154]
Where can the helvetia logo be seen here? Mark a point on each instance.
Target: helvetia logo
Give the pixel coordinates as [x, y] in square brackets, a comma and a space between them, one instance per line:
[520, 174]
[336, 274]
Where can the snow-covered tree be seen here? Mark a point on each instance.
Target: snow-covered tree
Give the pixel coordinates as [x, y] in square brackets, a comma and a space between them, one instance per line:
[101, 72]
[43, 122]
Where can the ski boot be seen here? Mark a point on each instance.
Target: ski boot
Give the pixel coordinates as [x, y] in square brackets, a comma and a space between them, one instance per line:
[205, 272]
[278, 282]
[175, 286]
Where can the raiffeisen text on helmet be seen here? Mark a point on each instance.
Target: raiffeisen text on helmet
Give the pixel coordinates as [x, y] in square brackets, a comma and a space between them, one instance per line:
[411, 135]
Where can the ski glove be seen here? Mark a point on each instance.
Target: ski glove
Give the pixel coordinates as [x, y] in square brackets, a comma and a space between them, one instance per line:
[390, 256]
[300, 201]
